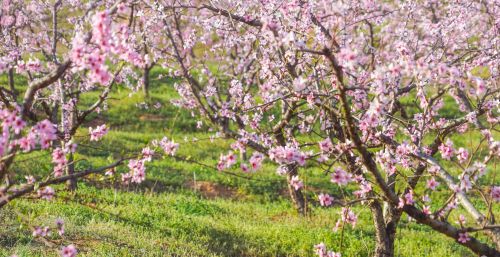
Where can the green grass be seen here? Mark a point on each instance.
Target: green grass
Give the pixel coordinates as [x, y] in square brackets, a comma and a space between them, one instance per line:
[166, 216]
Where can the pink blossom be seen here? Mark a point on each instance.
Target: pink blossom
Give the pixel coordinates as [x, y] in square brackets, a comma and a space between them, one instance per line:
[226, 161]
[97, 133]
[68, 251]
[46, 132]
[60, 226]
[320, 249]
[325, 199]
[432, 183]
[462, 155]
[244, 168]
[59, 159]
[347, 58]
[70, 147]
[480, 87]
[256, 161]
[137, 170]
[147, 154]
[282, 170]
[46, 193]
[340, 177]
[296, 183]
[446, 150]
[365, 187]
[18, 125]
[348, 216]
[461, 220]
[409, 198]
[26, 143]
[427, 210]
[41, 231]
[110, 172]
[169, 147]
[126, 178]
[326, 145]
[287, 155]
[463, 237]
[434, 170]
[495, 193]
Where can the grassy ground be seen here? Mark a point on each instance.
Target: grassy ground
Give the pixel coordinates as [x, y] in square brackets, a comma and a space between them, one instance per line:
[184, 209]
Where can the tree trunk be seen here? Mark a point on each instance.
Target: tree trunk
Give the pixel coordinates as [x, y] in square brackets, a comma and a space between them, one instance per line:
[298, 198]
[145, 81]
[385, 233]
[71, 184]
[12, 84]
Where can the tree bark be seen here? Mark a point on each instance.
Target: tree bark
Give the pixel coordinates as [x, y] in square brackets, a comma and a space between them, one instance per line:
[297, 196]
[71, 184]
[145, 80]
[385, 233]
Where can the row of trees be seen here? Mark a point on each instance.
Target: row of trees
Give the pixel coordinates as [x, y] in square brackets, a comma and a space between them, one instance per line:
[356, 88]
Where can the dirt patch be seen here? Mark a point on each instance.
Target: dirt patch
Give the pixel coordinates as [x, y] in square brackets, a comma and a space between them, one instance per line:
[212, 190]
[97, 121]
[151, 117]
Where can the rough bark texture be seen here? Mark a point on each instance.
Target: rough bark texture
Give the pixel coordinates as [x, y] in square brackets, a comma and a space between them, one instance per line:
[145, 80]
[71, 184]
[384, 233]
[296, 195]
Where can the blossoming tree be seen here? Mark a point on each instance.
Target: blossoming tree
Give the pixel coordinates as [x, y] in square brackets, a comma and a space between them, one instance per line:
[357, 88]
[375, 93]
[53, 53]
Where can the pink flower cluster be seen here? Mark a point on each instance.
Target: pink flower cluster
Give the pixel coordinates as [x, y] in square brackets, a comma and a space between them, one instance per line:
[495, 193]
[11, 120]
[446, 150]
[406, 200]
[321, 251]
[46, 193]
[325, 199]
[463, 237]
[97, 133]
[347, 58]
[462, 155]
[340, 177]
[59, 159]
[432, 183]
[43, 133]
[91, 59]
[69, 251]
[364, 187]
[137, 173]
[101, 29]
[168, 146]
[296, 183]
[226, 161]
[41, 231]
[60, 226]
[107, 39]
[256, 161]
[348, 216]
[326, 145]
[287, 155]
[147, 154]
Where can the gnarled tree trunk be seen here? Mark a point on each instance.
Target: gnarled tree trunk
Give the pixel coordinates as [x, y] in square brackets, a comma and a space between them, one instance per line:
[385, 229]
